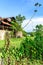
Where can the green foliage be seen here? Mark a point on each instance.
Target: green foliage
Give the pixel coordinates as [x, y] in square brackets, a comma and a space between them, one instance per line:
[38, 4]
[16, 24]
[20, 19]
[39, 40]
[32, 34]
[24, 33]
[33, 49]
[15, 27]
[29, 49]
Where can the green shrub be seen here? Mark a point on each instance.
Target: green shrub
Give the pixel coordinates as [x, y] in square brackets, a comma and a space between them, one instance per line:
[32, 49]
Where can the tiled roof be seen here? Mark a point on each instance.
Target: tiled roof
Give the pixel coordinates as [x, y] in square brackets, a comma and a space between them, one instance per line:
[5, 21]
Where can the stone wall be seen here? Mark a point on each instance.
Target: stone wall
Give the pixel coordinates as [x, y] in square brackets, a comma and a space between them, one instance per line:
[2, 34]
[19, 34]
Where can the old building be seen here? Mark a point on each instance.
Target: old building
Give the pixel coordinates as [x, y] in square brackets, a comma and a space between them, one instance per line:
[5, 24]
[19, 34]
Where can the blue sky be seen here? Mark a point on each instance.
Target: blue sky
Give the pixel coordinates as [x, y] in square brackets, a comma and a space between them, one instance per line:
[10, 8]
[24, 7]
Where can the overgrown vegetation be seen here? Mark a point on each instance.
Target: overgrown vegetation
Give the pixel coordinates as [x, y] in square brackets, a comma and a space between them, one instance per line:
[30, 51]
[16, 25]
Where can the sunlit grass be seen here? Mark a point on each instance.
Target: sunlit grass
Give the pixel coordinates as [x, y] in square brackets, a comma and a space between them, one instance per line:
[13, 42]
[16, 42]
[2, 42]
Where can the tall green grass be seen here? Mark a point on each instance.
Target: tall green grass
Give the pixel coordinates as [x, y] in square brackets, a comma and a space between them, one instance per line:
[13, 42]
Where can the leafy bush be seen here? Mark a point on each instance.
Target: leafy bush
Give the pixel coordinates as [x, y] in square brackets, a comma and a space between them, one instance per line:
[29, 49]
[32, 49]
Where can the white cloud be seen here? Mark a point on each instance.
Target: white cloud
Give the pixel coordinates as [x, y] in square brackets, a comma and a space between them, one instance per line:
[32, 23]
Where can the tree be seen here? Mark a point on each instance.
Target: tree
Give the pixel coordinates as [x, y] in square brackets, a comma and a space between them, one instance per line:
[20, 19]
[39, 40]
[16, 23]
[39, 30]
[35, 11]
[15, 27]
